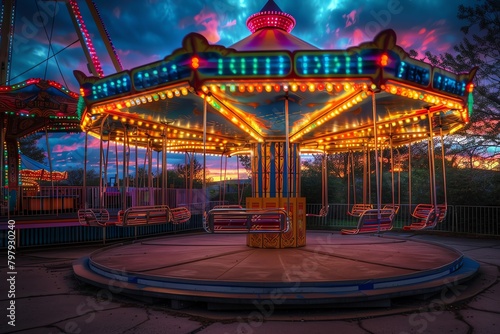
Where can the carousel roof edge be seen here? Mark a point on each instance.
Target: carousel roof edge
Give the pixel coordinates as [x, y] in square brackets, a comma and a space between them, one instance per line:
[41, 83]
[181, 66]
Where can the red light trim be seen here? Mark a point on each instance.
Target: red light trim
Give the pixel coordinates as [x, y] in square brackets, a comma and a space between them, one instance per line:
[195, 63]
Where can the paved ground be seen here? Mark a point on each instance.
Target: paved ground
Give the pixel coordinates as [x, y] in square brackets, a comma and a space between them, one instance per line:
[48, 299]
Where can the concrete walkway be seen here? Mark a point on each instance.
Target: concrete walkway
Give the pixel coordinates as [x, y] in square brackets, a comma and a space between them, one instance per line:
[48, 299]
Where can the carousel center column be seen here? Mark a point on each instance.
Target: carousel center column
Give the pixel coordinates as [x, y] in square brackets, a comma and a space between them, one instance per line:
[276, 184]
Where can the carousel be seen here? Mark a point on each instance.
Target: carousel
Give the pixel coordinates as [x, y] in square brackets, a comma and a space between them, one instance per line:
[275, 97]
[29, 107]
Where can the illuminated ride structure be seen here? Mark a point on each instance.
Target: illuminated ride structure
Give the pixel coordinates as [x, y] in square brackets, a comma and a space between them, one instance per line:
[30, 107]
[38, 105]
[275, 97]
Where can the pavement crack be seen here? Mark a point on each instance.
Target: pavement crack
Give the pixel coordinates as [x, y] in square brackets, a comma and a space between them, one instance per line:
[460, 317]
[360, 325]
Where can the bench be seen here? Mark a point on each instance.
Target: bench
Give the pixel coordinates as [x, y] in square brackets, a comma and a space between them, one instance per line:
[155, 214]
[93, 217]
[427, 216]
[239, 220]
[393, 207]
[228, 206]
[144, 215]
[373, 220]
[121, 213]
[358, 209]
[180, 215]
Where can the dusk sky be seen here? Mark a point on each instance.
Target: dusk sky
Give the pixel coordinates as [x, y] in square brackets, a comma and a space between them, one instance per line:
[146, 31]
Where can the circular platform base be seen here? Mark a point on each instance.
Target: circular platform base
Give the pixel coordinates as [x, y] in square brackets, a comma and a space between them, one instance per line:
[332, 270]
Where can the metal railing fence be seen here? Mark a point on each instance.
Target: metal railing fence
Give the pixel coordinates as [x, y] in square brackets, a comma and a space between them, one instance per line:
[461, 219]
[480, 220]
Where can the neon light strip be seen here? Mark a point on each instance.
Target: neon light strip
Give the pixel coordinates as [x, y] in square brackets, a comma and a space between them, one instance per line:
[86, 37]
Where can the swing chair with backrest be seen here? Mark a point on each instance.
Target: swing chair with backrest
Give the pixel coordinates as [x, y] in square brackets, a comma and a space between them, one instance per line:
[153, 214]
[233, 218]
[427, 216]
[376, 220]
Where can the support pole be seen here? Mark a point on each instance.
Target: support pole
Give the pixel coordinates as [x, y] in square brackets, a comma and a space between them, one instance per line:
[164, 173]
[444, 166]
[204, 183]
[105, 36]
[409, 179]
[377, 175]
[85, 156]
[101, 155]
[392, 171]
[117, 177]
[7, 29]
[150, 171]
[375, 138]
[50, 170]
[93, 62]
[432, 170]
[126, 158]
[106, 164]
[286, 176]
[136, 177]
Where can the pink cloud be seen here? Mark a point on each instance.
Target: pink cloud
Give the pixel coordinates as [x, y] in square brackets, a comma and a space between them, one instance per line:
[210, 22]
[229, 24]
[350, 18]
[425, 39]
[93, 143]
[358, 37]
[65, 147]
[117, 12]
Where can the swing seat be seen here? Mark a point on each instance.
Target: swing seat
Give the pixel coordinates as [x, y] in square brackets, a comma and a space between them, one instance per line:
[358, 209]
[180, 215]
[155, 214]
[427, 216]
[370, 222]
[322, 212]
[228, 206]
[393, 207]
[93, 217]
[231, 220]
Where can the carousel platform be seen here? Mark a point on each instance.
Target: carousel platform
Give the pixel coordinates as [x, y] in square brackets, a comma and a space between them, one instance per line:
[332, 270]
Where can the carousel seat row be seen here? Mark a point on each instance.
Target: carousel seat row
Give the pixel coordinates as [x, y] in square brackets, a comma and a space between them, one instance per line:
[241, 220]
[427, 216]
[93, 217]
[133, 216]
[155, 214]
[373, 220]
[358, 209]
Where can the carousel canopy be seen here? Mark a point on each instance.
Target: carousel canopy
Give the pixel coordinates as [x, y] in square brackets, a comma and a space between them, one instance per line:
[37, 104]
[334, 99]
[35, 171]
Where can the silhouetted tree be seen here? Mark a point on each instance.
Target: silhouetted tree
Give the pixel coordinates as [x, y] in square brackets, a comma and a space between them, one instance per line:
[479, 47]
[75, 177]
[28, 146]
[192, 173]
